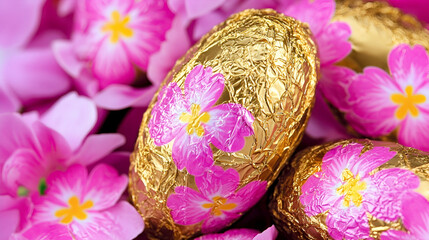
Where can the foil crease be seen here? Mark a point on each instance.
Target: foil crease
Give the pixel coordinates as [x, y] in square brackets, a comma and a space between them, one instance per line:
[270, 66]
[288, 212]
[376, 29]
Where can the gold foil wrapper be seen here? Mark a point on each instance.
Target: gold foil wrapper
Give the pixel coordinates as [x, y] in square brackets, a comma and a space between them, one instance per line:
[376, 29]
[270, 67]
[288, 211]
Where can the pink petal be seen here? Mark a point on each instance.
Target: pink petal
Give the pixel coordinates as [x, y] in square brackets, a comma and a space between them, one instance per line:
[9, 102]
[117, 97]
[73, 117]
[119, 160]
[409, 66]
[23, 168]
[335, 83]
[9, 221]
[64, 54]
[15, 134]
[371, 160]
[66, 7]
[18, 21]
[370, 95]
[333, 43]
[96, 147]
[319, 193]
[192, 152]
[216, 223]
[64, 185]
[233, 234]
[413, 132]
[202, 87]
[197, 8]
[206, 22]
[104, 187]
[323, 124]
[418, 8]
[340, 158]
[48, 230]
[316, 13]
[228, 126]
[150, 21]
[391, 184]
[112, 65]
[394, 235]
[349, 223]
[256, 189]
[186, 206]
[43, 78]
[165, 123]
[176, 44]
[130, 126]
[269, 234]
[415, 211]
[217, 182]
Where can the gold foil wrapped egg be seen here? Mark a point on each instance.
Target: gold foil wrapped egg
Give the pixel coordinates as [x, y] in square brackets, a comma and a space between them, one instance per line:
[223, 124]
[376, 29]
[353, 189]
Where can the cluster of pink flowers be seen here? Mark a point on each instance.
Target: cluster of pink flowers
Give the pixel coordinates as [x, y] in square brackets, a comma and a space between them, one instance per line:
[67, 66]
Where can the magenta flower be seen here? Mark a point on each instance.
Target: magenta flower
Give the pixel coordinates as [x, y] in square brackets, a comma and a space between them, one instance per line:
[346, 189]
[415, 216]
[33, 147]
[419, 8]
[111, 40]
[381, 103]
[193, 122]
[239, 234]
[78, 205]
[218, 203]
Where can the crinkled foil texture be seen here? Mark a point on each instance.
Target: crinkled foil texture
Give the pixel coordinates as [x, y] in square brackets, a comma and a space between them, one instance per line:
[376, 29]
[270, 67]
[288, 212]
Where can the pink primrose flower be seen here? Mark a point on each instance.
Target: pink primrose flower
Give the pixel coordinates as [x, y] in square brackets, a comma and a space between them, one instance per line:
[217, 203]
[78, 205]
[346, 188]
[242, 234]
[111, 39]
[32, 147]
[382, 103]
[415, 216]
[193, 122]
[419, 8]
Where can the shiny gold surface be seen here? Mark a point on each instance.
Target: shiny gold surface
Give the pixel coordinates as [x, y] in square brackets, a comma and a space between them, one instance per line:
[288, 212]
[270, 67]
[376, 29]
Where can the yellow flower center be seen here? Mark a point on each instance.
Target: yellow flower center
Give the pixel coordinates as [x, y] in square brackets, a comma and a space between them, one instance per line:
[118, 27]
[219, 204]
[194, 120]
[407, 103]
[75, 210]
[350, 189]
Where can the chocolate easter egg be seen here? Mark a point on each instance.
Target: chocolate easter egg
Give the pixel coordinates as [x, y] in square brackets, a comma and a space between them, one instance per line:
[223, 124]
[353, 189]
[376, 29]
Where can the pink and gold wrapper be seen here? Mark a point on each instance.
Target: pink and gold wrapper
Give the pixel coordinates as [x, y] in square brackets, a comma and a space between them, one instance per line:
[377, 28]
[270, 68]
[298, 218]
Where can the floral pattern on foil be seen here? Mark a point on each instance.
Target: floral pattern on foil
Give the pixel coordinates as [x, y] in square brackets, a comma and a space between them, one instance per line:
[382, 103]
[217, 203]
[191, 120]
[415, 216]
[347, 189]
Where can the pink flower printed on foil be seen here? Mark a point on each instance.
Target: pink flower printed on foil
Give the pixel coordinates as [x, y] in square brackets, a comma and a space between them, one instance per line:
[415, 216]
[217, 203]
[346, 189]
[78, 205]
[240, 234]
[382, 103]
[191, 120]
